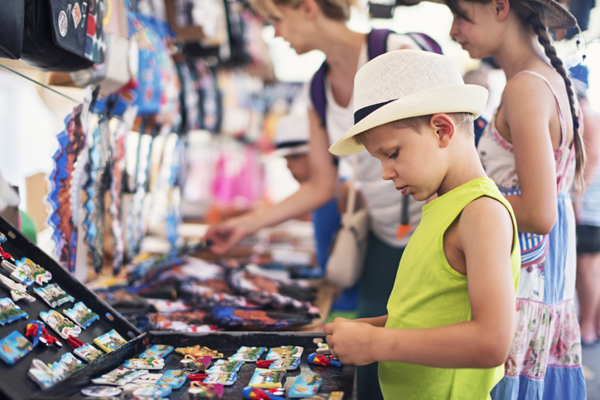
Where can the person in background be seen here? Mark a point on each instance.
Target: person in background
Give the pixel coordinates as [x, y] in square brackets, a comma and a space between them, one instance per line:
[291, 142]
[478, 76]
[322, 25]
[533, 150]
[587, 213]
[450, 317]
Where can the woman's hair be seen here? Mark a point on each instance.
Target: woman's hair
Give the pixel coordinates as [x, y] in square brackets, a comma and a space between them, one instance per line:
[332, 9]
[531, 14]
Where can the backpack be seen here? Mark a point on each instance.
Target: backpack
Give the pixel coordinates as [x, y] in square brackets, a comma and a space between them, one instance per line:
[376, 45]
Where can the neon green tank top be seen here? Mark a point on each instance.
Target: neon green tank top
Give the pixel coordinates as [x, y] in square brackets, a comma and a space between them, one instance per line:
[429, 293]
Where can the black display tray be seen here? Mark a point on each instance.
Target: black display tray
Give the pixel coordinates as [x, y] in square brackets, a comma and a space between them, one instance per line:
[334, 378]
[15, 383]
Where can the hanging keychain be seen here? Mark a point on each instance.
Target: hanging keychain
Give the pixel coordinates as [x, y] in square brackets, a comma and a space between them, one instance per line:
[404, 226]
[36, 332]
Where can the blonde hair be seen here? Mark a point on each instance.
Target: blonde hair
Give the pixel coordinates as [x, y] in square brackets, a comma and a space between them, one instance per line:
[332, 9]
[463, 121]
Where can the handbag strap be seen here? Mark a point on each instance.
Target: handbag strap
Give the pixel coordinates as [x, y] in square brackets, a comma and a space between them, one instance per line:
[351, 201]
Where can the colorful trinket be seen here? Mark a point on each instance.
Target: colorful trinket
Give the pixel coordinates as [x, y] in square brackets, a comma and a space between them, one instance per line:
[10, 312]
[198, 351]
[321, 359]
[199, 364]
[120, 376]
[248, 354]
[226, 366]
[42, 374]
[222, 378]
[305, 386]
[53, 295]
[14, 347]
[60, 324]
[174, 378]
[81, 314]
[17, 274]
[158, 350]
[199, 390]
[17, 290]
[267, 378]
[101, 391]
[67, 365]
[87, 352]
[36, 332]
[153, 391]
[252, 393]
[144, 363]
[284, 352]
[110, 341]
[38, 274]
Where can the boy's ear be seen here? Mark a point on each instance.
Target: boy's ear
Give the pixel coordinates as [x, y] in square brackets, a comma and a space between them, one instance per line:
[444, 128]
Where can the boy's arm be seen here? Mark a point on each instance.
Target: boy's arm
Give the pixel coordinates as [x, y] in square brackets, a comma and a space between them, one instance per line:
[375, 321]
[486, 236]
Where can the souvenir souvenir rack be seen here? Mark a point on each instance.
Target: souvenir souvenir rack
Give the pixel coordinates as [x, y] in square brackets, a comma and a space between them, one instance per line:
[333, 378]
[15, 382]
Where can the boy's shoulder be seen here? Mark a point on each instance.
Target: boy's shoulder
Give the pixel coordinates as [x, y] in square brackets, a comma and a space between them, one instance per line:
[485, 216]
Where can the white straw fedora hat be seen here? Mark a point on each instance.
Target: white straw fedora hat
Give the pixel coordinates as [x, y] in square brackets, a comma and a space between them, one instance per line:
[292, 135]
[403, 84]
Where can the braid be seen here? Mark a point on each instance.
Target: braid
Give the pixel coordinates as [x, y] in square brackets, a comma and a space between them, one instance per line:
[544, 39]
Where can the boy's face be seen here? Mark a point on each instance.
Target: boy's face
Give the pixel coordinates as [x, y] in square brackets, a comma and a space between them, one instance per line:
[409, 158]
[298, 166]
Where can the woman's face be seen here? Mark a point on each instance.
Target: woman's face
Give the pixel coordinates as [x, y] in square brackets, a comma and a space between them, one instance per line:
[476, 33]
[292, 27]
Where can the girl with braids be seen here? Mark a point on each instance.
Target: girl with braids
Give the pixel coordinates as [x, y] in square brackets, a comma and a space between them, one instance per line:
[533, 150]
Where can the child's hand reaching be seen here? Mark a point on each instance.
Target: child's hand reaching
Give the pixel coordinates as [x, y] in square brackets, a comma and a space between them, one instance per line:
[350, 341]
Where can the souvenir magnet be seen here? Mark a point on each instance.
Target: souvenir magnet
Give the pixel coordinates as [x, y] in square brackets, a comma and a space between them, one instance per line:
[17, 291]
[144, 363]
[248, 354]
[109, 341]
[199, 390]
[2, 238]
[323, 349]
[157, 350]
[87, 352]
[16, 273]
[305, 386]
[10, 312]
[147, 379]
[38, 274]
[198, 351]
[223, 378]
[120, 376]
[36, 332]
[53, 295]
[285, 363]
[60, 324]
[154, 391]
[267, 378]
[226, 366]
[321, 359]
[67, 365]
[101, 391]
[284, 352]
[81, 315]
[5, 256]
[42, 374]
[14, 347]
[252, 393]
[199, 364]
[174, 378]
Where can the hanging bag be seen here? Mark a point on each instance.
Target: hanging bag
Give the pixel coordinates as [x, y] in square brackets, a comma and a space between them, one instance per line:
[347, 254]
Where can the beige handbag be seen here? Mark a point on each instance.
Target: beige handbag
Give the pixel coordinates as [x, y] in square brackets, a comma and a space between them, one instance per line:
[349, 247]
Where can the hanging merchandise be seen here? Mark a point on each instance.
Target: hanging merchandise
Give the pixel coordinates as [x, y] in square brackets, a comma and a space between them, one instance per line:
[64, 35]
[211, 107]
[239, 56]
[65, 183]
[189, 98]
[11, 29]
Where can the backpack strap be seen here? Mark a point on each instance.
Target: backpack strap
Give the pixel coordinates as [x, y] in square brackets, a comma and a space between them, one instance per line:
[377, 42]
[425, 42]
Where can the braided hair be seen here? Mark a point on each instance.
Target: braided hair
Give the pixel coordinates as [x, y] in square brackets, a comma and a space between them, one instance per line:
[531, 13]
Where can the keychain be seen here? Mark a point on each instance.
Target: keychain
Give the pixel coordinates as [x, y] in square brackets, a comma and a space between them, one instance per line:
[36, 332]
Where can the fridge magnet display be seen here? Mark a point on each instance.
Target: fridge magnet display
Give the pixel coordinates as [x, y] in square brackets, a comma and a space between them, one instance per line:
[53, 295]
[17, 274]
[17, 290]
[267, 378]
[38, 274]
[223, 378]
[284, 352]
[226, 366]
[60, 324]
[87, 352]
[36, 332]
[101, 391]
[248, 354]
[285, 363]
[14, 347]
[250, 392]
[153, 391]
[321, 359]
[198, 351]
[82, 315]
[305, 386]
[10, 312]
[120, 376]
[67, 365]
[158, 350]
[174, 378]
[42, 374]
[199, 364]
[144, 363]
[109, 341]
[199, 390]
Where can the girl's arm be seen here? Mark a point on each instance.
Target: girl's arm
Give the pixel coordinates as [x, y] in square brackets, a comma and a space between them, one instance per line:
[318, 190]
[529, 109]
[485, 236]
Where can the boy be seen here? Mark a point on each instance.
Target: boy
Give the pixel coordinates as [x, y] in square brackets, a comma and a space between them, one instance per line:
[450, 320]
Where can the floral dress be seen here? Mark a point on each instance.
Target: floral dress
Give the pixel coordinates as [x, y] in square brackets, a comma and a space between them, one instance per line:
[545, 358]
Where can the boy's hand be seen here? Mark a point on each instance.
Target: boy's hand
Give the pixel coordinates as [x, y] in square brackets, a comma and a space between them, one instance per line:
[350, 341]
[226, 235]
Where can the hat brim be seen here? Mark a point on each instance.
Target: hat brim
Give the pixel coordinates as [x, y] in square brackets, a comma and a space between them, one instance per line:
[290, 151]
[447, 99]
